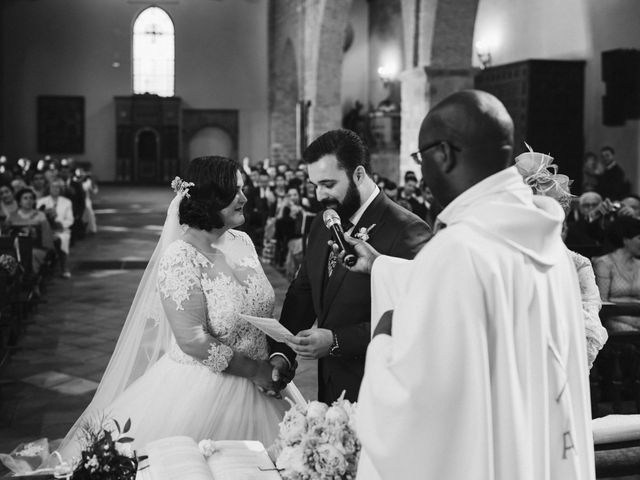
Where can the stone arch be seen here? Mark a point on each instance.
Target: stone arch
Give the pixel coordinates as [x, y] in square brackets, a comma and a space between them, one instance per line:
[326, 53]
[441, 50]
[284, 98]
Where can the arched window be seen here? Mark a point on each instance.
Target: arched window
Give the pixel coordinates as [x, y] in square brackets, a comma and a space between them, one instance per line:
[153, 53]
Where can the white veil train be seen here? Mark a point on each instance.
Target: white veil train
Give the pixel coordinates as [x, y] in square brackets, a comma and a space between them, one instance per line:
[145, 337]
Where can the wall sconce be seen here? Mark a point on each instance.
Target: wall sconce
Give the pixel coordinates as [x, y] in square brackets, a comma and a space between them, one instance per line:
[387, 74]
[484, 54]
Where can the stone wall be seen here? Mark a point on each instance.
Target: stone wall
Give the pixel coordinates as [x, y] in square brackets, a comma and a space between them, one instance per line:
[435, 33]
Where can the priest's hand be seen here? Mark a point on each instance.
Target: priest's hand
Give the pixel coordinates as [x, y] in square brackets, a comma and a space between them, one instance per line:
[384, 325]
[312, 344]
[365, 254]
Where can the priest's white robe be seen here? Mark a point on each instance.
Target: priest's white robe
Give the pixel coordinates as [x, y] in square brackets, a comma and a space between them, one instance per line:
[485, 374]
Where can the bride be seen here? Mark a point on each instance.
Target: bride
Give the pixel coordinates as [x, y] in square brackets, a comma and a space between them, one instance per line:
[185, 363]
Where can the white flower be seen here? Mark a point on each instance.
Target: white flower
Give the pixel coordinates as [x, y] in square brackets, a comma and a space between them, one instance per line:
[316, 410]
[329, 461]
[337, 414]
[292, 460]
[293, 427]
[207, 447]
[125, 449]
[92, 464]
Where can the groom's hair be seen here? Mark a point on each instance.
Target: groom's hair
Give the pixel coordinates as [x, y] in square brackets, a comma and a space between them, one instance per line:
[215, 186]
[346, 145]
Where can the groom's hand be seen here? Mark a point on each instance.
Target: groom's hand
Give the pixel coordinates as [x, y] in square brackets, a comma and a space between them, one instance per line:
[282, 374]
[312, 344]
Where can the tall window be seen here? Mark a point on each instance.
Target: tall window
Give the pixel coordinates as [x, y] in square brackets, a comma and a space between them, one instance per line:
[153, 53]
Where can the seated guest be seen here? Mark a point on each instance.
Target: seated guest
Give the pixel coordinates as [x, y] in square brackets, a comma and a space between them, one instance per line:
[630, 206]
[586, 235]
[33, 223]
[18, 183]
[612, 182]
[90, 188]
[309, 200]
[539, 173]
[60, 215]
[73, 190]
[39, 185]
[288, 224]
[301, 175]
[412, 194]
[8, 203]
[592, 168]
[390, 188]
[618, 273]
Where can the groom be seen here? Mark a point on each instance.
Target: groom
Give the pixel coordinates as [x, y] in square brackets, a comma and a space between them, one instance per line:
[323, 290]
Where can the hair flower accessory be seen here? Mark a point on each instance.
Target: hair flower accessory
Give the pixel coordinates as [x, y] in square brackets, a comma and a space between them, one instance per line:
[181, 187]
[541, 174]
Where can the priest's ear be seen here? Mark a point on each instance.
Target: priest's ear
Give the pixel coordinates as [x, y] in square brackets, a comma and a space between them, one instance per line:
[445, 157]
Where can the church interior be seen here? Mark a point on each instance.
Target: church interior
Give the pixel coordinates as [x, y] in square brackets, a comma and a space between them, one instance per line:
[118, 96]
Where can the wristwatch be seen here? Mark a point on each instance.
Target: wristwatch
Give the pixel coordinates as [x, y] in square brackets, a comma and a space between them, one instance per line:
[334, 351]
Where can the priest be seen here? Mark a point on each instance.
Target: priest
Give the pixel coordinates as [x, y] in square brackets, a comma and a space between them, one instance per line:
[480, 371]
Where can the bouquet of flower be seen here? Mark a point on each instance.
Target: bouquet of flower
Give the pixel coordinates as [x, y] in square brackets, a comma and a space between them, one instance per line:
[318, 442]
[108, 454]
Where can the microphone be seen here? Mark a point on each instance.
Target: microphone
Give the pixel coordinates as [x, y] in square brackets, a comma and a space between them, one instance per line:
[332, 222]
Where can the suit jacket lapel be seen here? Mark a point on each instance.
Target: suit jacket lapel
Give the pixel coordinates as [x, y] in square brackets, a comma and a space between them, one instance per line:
[317, 266]
[371, 215]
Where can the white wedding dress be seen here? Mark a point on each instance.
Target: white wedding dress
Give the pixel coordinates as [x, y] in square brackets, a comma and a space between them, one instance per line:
[167, 371]
[202, 295]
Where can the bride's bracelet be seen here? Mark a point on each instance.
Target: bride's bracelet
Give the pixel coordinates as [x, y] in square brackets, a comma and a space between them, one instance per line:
[219, 357]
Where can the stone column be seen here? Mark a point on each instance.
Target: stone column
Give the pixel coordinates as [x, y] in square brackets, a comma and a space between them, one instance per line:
[422, 88]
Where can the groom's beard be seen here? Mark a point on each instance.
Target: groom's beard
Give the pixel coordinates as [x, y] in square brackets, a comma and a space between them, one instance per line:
[349, 205]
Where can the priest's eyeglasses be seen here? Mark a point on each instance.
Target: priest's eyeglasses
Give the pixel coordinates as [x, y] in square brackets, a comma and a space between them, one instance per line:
[417, 156]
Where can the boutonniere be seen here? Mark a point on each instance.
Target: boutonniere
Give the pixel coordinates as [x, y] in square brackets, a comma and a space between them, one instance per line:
[363, 234]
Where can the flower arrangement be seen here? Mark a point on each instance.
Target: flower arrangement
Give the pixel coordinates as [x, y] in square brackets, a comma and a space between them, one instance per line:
[108, 454]
[318, 442]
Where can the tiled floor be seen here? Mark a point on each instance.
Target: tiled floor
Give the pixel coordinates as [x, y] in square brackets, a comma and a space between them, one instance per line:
[68, 342]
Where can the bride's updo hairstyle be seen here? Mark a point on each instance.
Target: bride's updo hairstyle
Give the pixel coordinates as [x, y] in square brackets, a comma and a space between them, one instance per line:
[215, 182]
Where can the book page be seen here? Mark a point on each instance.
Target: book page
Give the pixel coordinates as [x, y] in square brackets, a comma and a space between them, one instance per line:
[177, 458]
[270, 326]
[241, 460]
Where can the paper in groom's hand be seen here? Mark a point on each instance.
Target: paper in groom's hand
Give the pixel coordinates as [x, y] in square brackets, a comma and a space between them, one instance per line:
[270, 326]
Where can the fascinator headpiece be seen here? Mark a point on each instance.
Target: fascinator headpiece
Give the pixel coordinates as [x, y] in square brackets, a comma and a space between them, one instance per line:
[541, 174]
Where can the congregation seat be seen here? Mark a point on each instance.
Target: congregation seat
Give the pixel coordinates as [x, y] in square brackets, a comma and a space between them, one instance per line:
[615, 398]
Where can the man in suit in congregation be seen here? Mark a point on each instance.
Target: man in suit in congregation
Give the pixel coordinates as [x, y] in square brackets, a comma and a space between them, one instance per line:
[323, 290]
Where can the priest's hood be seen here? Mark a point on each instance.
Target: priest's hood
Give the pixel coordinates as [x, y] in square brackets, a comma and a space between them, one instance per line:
[509, 212]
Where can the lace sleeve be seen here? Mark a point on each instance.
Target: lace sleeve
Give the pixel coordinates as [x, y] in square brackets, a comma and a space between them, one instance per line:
[591, 304]
[602, 269]
[185, 306]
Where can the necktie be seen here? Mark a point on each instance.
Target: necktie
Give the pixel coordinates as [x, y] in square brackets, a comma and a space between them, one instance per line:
[333, 258]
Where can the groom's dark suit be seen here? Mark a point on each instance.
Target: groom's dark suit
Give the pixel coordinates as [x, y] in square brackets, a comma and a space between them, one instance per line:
[342, 302]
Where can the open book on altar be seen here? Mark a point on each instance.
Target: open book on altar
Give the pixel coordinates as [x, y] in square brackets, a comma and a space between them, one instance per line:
[179, 458]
